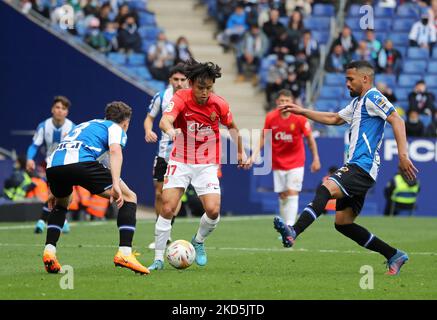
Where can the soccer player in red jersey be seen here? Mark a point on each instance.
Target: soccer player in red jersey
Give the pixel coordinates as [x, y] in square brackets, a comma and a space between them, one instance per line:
[192, 120]
[288, 154]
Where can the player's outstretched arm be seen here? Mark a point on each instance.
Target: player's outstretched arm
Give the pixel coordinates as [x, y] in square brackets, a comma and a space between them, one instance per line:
[405, 163]
[330, 118]
[116, 160]
[150, 136]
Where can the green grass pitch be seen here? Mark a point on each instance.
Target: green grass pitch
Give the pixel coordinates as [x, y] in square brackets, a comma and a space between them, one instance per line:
[245, 261]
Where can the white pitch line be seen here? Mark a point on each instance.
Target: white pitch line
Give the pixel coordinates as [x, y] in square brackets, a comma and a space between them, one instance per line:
[282, 250]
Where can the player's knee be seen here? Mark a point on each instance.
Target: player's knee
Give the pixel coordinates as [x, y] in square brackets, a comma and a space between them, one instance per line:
[167, 210]
[212, 210]
[131, 197]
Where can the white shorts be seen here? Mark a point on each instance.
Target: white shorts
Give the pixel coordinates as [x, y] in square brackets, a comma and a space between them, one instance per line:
[284, 180]
[203, 177]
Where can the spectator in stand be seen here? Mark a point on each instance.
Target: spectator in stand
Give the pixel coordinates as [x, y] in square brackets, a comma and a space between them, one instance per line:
[387, 92]
[224, 11]
[421, 100]
[432, 14]
[160, 58]
[302, 68]
[280, 6]
[254, 46]
[389, 59]
[423, 33]
[91, 8]
[95, 38]
[128, 37]
[110, 34]
[273, 28]
[236, 26]
[123, 12]
[347, 41]
[311, 49]
[104, 12]
[413, 126]
[373, 44]
[276, 76]
[295, 28]
[336, 60]
[431, 129]
[363, 53]
[292, 83]
[303, 6]
[283, 45]
[182, 50]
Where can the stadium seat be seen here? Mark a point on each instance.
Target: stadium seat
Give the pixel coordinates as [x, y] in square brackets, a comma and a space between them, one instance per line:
[117, 58]
[402, 93]
[327, 104]
[284, 20]
[432, 67]
[146, 45]
[331, 92]
[147, 19]
[408, 80]
[359, 35]
[405, 11]
[334, 79]
[320, 36]
[431, 80]
[414, 66]
[434, 54]
[382, 24]
[388, 79]
[402, 25]
[142, 72]
[418, 53]
[354, 10]
[382, 12]
[136, 59]
[381, 36]
[402, 50]
[137, 4]
[317, 23]
[353, 23]
[399, 38]
[149, 33]
[426, 119]
[326, 10]
[401, 103]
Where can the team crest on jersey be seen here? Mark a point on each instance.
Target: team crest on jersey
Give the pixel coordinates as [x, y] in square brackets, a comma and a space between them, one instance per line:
[170, 107]
[213, 116]
[292, 126]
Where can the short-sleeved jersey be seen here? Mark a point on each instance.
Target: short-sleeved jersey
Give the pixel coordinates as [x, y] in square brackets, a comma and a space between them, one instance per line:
[49, 136]
[288, 149]
[367, 118]
[199, 142]
[87, 142]
[158, 104]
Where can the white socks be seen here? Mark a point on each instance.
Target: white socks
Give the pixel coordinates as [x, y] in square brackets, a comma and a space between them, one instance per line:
[126, 251]
[288, 208]
[50, 248]
[162, 233]
[206, 226]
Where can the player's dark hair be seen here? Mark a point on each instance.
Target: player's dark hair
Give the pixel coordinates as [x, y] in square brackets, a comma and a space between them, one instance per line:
[359, 64]
[201, 71]
[285, 93]
[179, 68]
[64, 100]
[117, 111]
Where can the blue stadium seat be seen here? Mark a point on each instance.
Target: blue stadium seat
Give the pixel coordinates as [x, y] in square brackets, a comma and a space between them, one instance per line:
[331, 92]
[388, 79]
[326, 10]
[434, 54]
[402, 93]
[284, 20]
[382, 12]
[432, 67]
[401, 103]
[327, 104]
[418, 53]
[354, 10]
[353, 23]
[321, 37]
[414, 66]
[399, 38]
[359, 35]
[147, 19]
[408, 80]
[402, 50]
[344, 102]
[142, 72]
[431, 80]
[381, 36]
[146, 45]
[137, 4]
[136, 59]
[405, 11]
[117, 58]
[426, 119]
[382, 24]
[334, 79]
[317, 23]
[149, 32]
[402, 25]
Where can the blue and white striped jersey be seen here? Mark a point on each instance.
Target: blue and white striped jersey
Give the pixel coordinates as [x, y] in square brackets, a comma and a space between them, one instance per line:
[87, 142]
[48, 135]
[159, 103]
[367, 118]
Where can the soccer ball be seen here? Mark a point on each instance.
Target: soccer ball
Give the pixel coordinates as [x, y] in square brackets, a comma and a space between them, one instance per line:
[181, 254]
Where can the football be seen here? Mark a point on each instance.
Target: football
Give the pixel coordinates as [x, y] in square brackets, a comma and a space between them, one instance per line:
[181, 254]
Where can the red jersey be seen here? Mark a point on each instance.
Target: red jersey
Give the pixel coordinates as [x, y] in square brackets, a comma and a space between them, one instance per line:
[288, 150]
[199, 142]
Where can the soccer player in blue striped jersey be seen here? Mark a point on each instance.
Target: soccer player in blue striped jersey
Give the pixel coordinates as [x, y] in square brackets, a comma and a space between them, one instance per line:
[367, 115]
[47, 137]
[159, 103]
[74, 162]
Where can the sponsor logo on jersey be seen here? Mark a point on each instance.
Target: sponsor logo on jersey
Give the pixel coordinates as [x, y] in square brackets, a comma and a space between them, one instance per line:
[281, 135]
[199, 127]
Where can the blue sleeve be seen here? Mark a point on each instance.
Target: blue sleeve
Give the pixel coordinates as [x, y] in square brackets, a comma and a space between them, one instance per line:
[32, 151]
[38, 140]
